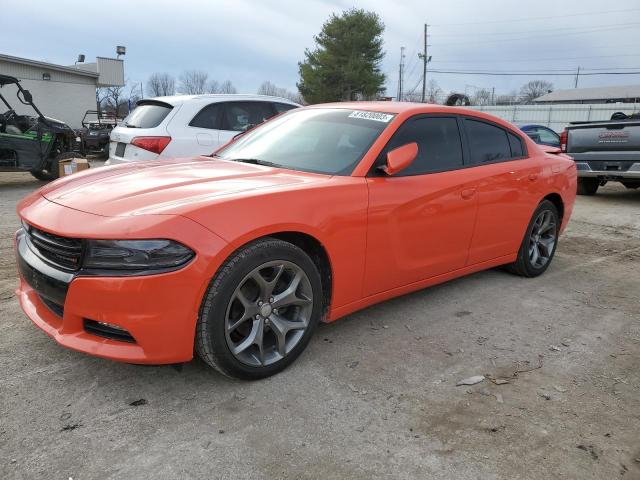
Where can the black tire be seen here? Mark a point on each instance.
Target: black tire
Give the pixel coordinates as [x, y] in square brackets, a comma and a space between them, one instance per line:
[588, 186]
[211, 342]
[523, 265]
[52, 171]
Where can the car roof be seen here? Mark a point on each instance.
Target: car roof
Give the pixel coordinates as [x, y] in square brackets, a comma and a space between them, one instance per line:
[219, 97]
[408, 109]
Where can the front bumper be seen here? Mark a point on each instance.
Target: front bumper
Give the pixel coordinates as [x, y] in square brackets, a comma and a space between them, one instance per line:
[585, 170]
[159, 311]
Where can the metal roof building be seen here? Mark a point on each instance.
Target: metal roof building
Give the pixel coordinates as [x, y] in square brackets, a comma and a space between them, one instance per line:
[614, 94]
[61, 92]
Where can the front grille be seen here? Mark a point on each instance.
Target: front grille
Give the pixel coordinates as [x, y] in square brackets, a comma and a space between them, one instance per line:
[61, 251]
[106, 330]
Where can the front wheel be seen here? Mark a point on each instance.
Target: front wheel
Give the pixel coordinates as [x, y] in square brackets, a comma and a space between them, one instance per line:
[588, 186]
[539, 243]
[260, 310]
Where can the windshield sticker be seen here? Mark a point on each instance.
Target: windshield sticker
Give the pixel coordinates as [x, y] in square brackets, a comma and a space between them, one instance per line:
[378, 117]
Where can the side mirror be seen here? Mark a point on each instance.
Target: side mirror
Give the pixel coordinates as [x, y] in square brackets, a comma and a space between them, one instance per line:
[400, 158]
[27, 96]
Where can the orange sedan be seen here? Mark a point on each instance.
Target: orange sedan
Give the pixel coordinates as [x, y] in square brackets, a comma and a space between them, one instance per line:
[317, 213]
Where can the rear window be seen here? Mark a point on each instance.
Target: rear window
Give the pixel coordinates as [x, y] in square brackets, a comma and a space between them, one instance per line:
[487, 142]
[516, 146]
[147, 115]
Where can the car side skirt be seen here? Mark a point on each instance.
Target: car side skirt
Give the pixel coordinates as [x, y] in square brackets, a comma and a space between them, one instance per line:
[343, 310]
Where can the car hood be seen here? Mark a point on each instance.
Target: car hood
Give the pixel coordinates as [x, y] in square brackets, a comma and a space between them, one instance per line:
[168, 186]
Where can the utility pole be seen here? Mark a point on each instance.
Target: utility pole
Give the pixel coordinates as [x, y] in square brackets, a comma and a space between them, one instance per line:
[493, 96]
[575, 85]
[425, 59]
[400, 78]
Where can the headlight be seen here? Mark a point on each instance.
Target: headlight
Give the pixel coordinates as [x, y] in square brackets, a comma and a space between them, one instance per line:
[135, 254]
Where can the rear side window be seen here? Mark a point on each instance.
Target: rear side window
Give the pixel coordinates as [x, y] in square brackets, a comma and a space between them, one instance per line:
[439, 145]
[240, 116]
[487, 143]
[283, 107]
[148, 115]
[515, 143]
[209, 117]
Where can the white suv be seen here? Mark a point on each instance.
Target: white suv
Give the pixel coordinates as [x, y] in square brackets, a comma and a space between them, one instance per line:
[187, 125]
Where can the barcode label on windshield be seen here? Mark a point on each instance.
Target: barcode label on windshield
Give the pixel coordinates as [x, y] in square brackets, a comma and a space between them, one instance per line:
[378, 117]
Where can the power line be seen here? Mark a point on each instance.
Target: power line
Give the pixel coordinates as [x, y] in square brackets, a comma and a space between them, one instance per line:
[572, 70]
[548, 74]
[515, 39]
[529, 19]
[564, 29]
[527, 60]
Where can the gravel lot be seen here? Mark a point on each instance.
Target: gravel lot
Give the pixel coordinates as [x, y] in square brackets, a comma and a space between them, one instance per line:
[374, 395]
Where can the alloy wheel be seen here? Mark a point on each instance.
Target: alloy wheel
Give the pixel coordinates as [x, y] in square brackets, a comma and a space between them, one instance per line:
[268, 313]
[543, 238]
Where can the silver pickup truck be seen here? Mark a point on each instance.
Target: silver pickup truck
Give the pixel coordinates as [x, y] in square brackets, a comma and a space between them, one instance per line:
[604, 152]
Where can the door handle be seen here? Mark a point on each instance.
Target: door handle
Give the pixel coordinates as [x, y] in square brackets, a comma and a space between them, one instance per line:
[468, 193]
[533, 176]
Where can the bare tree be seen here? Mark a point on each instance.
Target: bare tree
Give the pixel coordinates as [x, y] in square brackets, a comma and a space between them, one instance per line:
[534, 89]
[113, 100]
[227, 87]
[434, 92]
[482, 97]
[193, 82]
[507, 99]
[268, 88]
[213, 86]
[161, 85]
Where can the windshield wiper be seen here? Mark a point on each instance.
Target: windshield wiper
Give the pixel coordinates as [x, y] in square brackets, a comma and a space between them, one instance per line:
[256, 161]
[128, 125]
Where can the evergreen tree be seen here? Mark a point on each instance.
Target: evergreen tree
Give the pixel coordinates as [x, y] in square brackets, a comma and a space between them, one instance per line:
[345, 65]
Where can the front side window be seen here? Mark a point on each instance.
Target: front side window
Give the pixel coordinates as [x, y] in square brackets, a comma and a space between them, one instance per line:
[487, 143]
[323, 140]
[439, 144]
[241, 116]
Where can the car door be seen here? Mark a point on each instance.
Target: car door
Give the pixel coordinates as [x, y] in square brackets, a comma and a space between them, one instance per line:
[507, 186]
[240, 116]
[203, 131]
[420, 221]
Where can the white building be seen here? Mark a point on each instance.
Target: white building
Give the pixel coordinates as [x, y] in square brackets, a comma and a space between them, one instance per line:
[613, 94]
[61, 92]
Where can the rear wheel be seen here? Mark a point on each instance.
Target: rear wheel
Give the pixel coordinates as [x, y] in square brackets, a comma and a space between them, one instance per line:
[539, 243]
[260, 310]
[52, 169]
[588, 186]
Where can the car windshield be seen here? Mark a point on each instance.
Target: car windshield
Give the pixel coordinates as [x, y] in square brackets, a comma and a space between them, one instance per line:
[322, 140]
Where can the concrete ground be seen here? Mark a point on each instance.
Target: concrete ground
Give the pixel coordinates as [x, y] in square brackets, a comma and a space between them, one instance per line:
[374, 395]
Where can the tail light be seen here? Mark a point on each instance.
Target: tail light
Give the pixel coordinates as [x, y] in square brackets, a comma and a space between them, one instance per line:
[152, 144]
[563, 141]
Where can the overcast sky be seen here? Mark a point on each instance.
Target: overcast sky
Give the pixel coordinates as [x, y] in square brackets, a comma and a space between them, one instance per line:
[248, 42]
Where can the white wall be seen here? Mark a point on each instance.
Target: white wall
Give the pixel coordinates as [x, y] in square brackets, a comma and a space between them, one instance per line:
[558, 116]
[63, 101]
